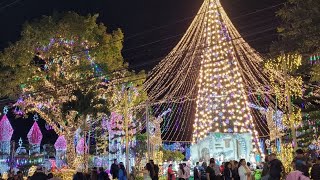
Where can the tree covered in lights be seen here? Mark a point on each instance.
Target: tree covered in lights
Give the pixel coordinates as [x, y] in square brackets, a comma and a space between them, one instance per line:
[308, 130]
[222, 104]
[298, 32]
[66, 68]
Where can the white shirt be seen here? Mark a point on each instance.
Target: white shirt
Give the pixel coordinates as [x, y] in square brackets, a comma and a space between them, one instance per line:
[242, 173]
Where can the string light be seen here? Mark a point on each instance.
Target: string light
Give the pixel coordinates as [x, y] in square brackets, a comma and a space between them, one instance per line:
[211, 41]
[220, 84]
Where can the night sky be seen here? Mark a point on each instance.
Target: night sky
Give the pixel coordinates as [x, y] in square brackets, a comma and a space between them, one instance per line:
[151, 27]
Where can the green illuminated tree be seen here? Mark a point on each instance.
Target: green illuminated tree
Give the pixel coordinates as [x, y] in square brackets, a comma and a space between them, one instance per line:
[66, 68]
[299, 32]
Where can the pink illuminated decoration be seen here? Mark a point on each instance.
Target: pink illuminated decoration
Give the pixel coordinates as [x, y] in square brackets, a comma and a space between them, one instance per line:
[53, 165]
[6, 130]
[35, 135]
[61, 143]
[81, 146]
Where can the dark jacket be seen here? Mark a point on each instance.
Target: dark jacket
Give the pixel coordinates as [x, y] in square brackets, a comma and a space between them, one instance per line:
[103, 176]
[77, 176]
[39, 176]
[235, 174]
[265, 170]
[196, 173]
[303, 165]
[203, 173]
[114, 171]
[315, 172]
[227, 172]
[275, 170]
[156, 171]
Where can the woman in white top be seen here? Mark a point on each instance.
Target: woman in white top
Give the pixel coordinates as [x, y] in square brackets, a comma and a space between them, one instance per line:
[244, 171]
[147, 172]
[181, 174]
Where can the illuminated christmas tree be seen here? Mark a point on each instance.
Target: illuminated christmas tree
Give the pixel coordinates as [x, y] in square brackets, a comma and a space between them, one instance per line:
[222, 104]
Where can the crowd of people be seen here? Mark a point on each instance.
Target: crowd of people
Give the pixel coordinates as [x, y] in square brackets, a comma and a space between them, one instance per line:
[271, 169]
[39, 174]
[94, 174]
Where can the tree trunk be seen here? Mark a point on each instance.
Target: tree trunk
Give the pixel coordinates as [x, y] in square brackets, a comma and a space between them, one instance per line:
[71, 153]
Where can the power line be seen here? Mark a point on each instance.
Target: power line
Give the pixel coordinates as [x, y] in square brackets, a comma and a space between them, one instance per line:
[192, 17]
[178, 34]
[10, 4]
[84, 81]
[259, 10]
[139, 65]
[181, 34]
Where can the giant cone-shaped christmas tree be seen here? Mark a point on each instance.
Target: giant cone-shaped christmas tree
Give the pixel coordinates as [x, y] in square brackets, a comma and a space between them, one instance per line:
[210, 79]
[222, 104]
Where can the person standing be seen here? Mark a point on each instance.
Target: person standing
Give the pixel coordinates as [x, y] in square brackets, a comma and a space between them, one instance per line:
[203, 169]
[94, 174]
[114, 170]
[210, 173]
[297, 174]
[122, 174]
[156, 170]
[302, 161]
[244, 171]
[133, 173]
[196, 172]
[20, 175]
[102, 174]
[275, 167]
[227, 171]
[187, 170]
[235, 170]
[148, 172]
[39, 174]
[222, 166]
[171, 175]
[315, 170]
[265, 169]
[181, 173]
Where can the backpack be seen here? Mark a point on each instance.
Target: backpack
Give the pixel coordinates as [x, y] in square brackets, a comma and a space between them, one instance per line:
[257, 174]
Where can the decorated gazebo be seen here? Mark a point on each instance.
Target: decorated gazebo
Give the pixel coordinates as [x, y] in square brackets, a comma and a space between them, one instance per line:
[35, 136]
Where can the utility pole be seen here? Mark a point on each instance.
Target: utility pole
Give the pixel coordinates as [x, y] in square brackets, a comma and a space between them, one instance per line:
[126, 121]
